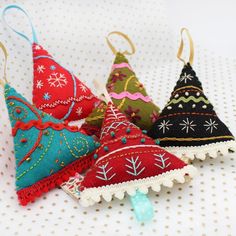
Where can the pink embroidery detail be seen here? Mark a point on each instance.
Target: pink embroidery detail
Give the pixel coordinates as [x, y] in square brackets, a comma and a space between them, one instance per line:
[132, 96]
[121, 65]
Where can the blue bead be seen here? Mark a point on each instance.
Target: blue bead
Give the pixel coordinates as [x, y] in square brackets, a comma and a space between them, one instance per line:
[144, 131]
[143, 140]
[124, 140]
[95, 156]
[97, 144]
[128, 130]
[105, 148]
[52, 67]
[112, 134]
[157, 141]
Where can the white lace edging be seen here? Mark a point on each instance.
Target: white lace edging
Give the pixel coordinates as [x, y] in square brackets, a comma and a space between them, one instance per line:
[90, 196]
[203, 151]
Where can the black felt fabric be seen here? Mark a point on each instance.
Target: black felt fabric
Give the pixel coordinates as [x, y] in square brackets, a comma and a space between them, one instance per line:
[189, 118]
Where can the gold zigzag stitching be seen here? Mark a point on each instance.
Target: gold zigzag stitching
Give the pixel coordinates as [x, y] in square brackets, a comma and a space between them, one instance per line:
[193, 139]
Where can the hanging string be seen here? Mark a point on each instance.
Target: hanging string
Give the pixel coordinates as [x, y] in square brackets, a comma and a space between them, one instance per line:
[113, 49]
[180, 51]
[102, 89]
[3, 81]
[34, 37]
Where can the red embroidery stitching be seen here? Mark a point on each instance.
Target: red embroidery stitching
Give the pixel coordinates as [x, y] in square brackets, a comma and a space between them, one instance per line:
[41, 126]
[28, 194]
[26, 104]
[32, 149]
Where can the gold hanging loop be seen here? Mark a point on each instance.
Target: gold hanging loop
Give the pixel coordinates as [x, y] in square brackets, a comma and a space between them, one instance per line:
[181, 47]
[3, 81]
[113, 49]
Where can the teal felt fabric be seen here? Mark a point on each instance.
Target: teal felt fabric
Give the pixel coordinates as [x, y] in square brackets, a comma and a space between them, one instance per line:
[56, 149]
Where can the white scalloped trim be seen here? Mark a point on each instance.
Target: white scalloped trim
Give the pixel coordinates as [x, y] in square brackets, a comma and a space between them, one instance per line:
[201, 152]
[90, 196]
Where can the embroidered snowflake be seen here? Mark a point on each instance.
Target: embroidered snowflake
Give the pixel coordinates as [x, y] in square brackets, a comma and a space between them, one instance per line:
[83, 88]
[56, 80]
[186, 77]
[79, 111]
[164, 126]
[40, 69]
[39, 84]
[188, 125]
[211, 125]
[47, 96]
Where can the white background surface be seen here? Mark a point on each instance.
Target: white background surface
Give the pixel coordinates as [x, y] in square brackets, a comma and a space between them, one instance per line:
[212, 23]
[74, 31]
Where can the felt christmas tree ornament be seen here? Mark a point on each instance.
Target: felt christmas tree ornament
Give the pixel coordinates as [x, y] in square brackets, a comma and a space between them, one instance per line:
[56, 90]
[126, 91]
[128, 161]
[47, 151]
[188, 125]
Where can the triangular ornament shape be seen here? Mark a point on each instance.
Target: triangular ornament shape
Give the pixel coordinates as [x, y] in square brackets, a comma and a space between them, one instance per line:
[128, 94]
[47, 151]
[188, 125]
[128, 161]
[57, 91]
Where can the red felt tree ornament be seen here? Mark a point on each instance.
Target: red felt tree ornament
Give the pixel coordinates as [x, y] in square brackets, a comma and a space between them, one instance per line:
[56, 90]
[128, 161]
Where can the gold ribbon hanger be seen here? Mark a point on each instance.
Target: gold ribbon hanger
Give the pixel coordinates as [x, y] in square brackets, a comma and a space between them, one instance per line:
[181, 47]
[3, 81]
[102, 89]
[113, 49]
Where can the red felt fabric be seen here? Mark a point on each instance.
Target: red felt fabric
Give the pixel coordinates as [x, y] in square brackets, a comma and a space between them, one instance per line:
[58, 92]
[30, 193]
[126, 154]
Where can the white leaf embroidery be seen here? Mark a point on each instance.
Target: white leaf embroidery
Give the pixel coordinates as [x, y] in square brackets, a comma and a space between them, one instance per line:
[161, 161]
[103, 173]
[133, 166]
[114, 126]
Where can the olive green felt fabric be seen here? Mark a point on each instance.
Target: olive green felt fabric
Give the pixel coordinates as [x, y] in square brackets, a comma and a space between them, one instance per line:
[140, 112]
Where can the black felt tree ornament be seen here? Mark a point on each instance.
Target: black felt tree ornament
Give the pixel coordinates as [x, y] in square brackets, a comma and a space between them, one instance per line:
[188, 125]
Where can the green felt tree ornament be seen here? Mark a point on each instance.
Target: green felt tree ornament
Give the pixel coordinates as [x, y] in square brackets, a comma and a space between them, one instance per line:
[126, 92]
